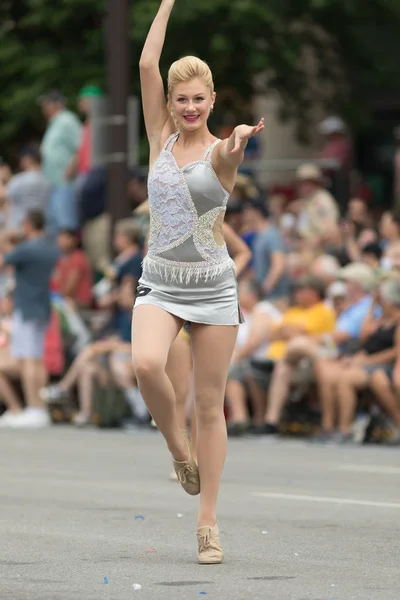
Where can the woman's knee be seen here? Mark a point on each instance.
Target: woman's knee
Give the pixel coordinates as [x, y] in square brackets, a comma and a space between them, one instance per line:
[147, 366]
[209, 406]
[379, 381]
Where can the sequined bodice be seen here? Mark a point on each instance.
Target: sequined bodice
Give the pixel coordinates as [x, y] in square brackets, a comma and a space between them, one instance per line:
[187, 207]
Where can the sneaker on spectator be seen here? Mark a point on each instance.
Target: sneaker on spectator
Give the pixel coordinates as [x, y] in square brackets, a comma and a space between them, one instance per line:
[30, 418]
[323, 437]
[394, 439]
[360, 426]
[238, 428]
[81, 420]
[7, 418]
[344, 439]
[52, 393]
[270, 430]
[256, 429]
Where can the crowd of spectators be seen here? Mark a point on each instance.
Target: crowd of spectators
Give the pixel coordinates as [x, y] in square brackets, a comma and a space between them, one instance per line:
[320, 345]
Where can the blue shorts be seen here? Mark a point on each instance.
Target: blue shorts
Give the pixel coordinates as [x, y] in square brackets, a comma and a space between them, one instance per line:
[386, 368]
[27, 338]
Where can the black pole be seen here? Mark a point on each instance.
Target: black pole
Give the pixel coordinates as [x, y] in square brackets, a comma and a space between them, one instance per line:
[118, 68]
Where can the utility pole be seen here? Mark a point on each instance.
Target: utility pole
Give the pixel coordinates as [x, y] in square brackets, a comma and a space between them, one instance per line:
[118, 70]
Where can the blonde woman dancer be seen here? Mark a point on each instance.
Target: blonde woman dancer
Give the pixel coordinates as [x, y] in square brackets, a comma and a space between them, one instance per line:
[188, 275]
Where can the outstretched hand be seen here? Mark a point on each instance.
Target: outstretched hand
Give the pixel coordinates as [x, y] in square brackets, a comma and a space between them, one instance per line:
[243, 133]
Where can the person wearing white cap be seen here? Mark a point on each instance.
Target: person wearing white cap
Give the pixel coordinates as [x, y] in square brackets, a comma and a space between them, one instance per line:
[337, 144]
[319, 217]
[337, 147]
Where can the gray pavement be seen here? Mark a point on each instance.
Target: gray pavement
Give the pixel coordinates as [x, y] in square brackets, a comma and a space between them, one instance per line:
[298, 522]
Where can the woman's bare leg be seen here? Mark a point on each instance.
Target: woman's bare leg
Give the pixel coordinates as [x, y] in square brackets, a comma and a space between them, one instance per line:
[8, 395]
[327, 373]
[85, 384]
[212, 348]
[179, 371]
[153, 332]
[9, 368]
[83, 359]
[122, 371]
[380, 384]
[193, 428]
[258, 399]
[72, 375]
[236, 400]
[351, 380]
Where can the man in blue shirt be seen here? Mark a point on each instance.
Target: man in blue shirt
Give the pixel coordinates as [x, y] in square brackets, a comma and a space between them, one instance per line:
[269, 254]
[33, 261]
[360, 280]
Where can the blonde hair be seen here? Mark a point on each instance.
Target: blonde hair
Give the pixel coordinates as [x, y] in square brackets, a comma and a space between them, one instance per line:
[187, 68]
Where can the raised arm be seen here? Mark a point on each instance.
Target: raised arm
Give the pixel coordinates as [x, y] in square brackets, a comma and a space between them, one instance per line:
[229, 154]
[231, 150]
[156, 115]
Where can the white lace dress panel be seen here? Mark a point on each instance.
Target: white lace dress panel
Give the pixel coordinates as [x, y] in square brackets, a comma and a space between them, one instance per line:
[177, 203]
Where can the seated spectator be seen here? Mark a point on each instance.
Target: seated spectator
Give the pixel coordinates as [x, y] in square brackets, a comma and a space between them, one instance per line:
[269, 255]
[260, 318]
[319, 213]
[309, 318]
[95, 218]
[360, 281]
[371, 367]
[100, 362]
[123, 278]
[73, 278]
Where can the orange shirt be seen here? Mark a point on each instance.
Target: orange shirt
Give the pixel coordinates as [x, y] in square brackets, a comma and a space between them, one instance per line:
[317, 320]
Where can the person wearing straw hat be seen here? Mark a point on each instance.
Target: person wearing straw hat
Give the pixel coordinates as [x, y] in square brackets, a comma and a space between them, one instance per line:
[319, 216]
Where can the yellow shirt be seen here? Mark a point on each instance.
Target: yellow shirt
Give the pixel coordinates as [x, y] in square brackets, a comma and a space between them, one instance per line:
[317, 320]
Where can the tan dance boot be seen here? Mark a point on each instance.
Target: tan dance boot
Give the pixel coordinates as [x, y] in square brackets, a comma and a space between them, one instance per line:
[187, 471]
[210, 551]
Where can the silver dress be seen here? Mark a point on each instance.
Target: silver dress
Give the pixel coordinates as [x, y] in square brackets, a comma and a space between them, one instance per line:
[187, 270]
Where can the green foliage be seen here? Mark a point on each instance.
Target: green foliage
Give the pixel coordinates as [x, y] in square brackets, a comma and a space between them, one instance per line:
[46, 44]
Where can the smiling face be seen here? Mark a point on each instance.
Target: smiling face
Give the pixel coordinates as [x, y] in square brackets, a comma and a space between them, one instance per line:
[191, 103]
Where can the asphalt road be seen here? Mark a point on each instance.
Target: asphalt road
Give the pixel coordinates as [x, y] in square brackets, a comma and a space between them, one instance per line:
[298, 522]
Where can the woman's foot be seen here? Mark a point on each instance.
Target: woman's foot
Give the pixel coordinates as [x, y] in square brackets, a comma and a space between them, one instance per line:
[210, 551]
[187, 471]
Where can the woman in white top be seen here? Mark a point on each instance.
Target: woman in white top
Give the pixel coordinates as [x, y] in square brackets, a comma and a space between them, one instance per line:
[260, 318]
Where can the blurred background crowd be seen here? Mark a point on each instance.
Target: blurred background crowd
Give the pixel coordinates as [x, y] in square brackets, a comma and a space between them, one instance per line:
[319, 352]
